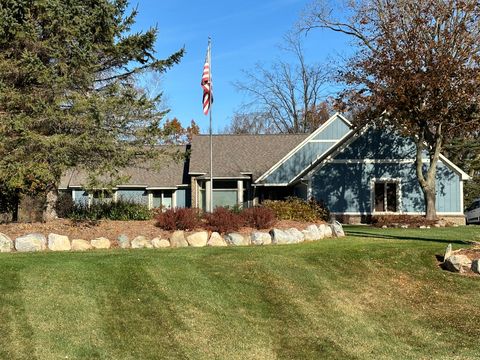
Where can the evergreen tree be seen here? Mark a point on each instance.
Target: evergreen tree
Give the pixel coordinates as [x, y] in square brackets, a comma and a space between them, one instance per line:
[68, 94]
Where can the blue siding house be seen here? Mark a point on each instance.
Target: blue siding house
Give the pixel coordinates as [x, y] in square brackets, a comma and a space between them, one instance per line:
[355, 173]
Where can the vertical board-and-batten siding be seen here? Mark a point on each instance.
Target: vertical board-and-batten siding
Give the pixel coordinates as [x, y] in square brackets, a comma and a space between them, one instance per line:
[309, 153]
[345, 183]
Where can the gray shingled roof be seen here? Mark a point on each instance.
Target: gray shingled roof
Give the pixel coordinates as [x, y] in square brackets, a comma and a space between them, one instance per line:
[234, 154]
[170, 173]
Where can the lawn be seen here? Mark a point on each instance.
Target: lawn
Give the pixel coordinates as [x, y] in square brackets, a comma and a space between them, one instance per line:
[377, 294]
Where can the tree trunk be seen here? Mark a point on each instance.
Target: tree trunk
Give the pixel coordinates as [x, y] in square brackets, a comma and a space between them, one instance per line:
[427, 179]
[49, 212]
[429, 193]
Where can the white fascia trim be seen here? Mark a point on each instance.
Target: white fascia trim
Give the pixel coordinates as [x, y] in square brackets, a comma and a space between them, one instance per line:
[461, 196]
[455, 168]
[285, 184]
[225, 178]
[303, 143]
[161, 188]
[143, 186]
[319, 158]
[338, 150]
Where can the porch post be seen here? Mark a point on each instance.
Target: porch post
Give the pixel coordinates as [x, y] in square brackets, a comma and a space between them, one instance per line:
[208, 194]
[240, 193]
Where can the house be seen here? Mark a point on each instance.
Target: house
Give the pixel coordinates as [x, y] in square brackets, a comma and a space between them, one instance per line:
[356, 174]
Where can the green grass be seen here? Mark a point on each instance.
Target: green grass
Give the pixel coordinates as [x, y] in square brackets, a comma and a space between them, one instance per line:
[377, 294]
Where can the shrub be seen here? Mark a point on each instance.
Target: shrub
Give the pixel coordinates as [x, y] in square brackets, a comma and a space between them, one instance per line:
[297, 209]
[223, 220]
[120, 210]
[64, 205]
[179, 219]
[258, 217]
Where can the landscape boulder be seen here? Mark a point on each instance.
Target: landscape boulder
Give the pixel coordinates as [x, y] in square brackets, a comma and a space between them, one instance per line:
[457, 263]
[321, 230]
[141, 242]
[327, 232]
[311, 233]
[80, 245]
[198, 239]
[448, 252]
[100, 243]
[58, 242]
[236, 239]
[282, 237]
[123, 241]
[260, 238]
[159, 243]
[297, 234]
[31, 242]
[6, 244]
[216, 240]
[178, 239]
[476, 266]
[337, 229]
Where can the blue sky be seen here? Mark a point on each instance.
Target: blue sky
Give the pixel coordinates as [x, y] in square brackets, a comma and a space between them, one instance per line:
[243, 33]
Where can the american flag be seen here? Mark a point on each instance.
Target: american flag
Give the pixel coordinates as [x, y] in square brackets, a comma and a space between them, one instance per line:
[207, 83]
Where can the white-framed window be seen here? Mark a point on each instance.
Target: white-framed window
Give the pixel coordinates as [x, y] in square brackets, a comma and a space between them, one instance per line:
[386, 195]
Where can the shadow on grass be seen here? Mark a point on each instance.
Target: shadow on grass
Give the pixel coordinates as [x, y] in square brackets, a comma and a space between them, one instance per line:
[373, 235]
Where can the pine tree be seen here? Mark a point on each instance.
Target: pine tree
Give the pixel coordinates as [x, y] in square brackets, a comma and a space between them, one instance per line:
[68, 92]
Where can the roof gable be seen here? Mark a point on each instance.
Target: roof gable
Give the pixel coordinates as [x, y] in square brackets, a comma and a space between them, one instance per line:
[308, 152]
[371, 145]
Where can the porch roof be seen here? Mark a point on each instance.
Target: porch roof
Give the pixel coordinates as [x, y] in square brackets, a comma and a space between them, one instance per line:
[237, 155]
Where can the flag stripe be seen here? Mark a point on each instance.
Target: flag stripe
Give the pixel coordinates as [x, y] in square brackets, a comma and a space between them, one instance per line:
[207, 84]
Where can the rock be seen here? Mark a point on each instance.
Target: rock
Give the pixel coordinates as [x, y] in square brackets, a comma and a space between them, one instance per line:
[337, 229]
[141, 242]
[236, 239]
[282, 237]
[328, 232]
[80, 245]
[100, 243]
[297, 234]
[6, 244]
[448, 252]
[260, 238]
[457, 263]
[58, 242]
[178, 239]
[198, 239]
[436, 225]
[441, 223]
[216, 240]
[31, 242]
[476, 266]
[321, 230]
[160, 243]
[123, 241]
[422, 227]
[405, 226]
[384, 227]
[311, 233]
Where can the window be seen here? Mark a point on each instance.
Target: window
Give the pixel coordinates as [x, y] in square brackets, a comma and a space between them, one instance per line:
[386, 195]
[162, 199]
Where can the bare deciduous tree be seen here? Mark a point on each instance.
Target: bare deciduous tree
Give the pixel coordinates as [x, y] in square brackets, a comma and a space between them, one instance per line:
[416, 68]
[290, 97]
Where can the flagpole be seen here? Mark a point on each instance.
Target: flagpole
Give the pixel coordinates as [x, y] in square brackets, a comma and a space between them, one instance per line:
[211, 136]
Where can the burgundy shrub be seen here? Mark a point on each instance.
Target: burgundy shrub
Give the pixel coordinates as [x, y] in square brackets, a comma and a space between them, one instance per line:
[223, 220]
[259, 217]
[179, 219]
